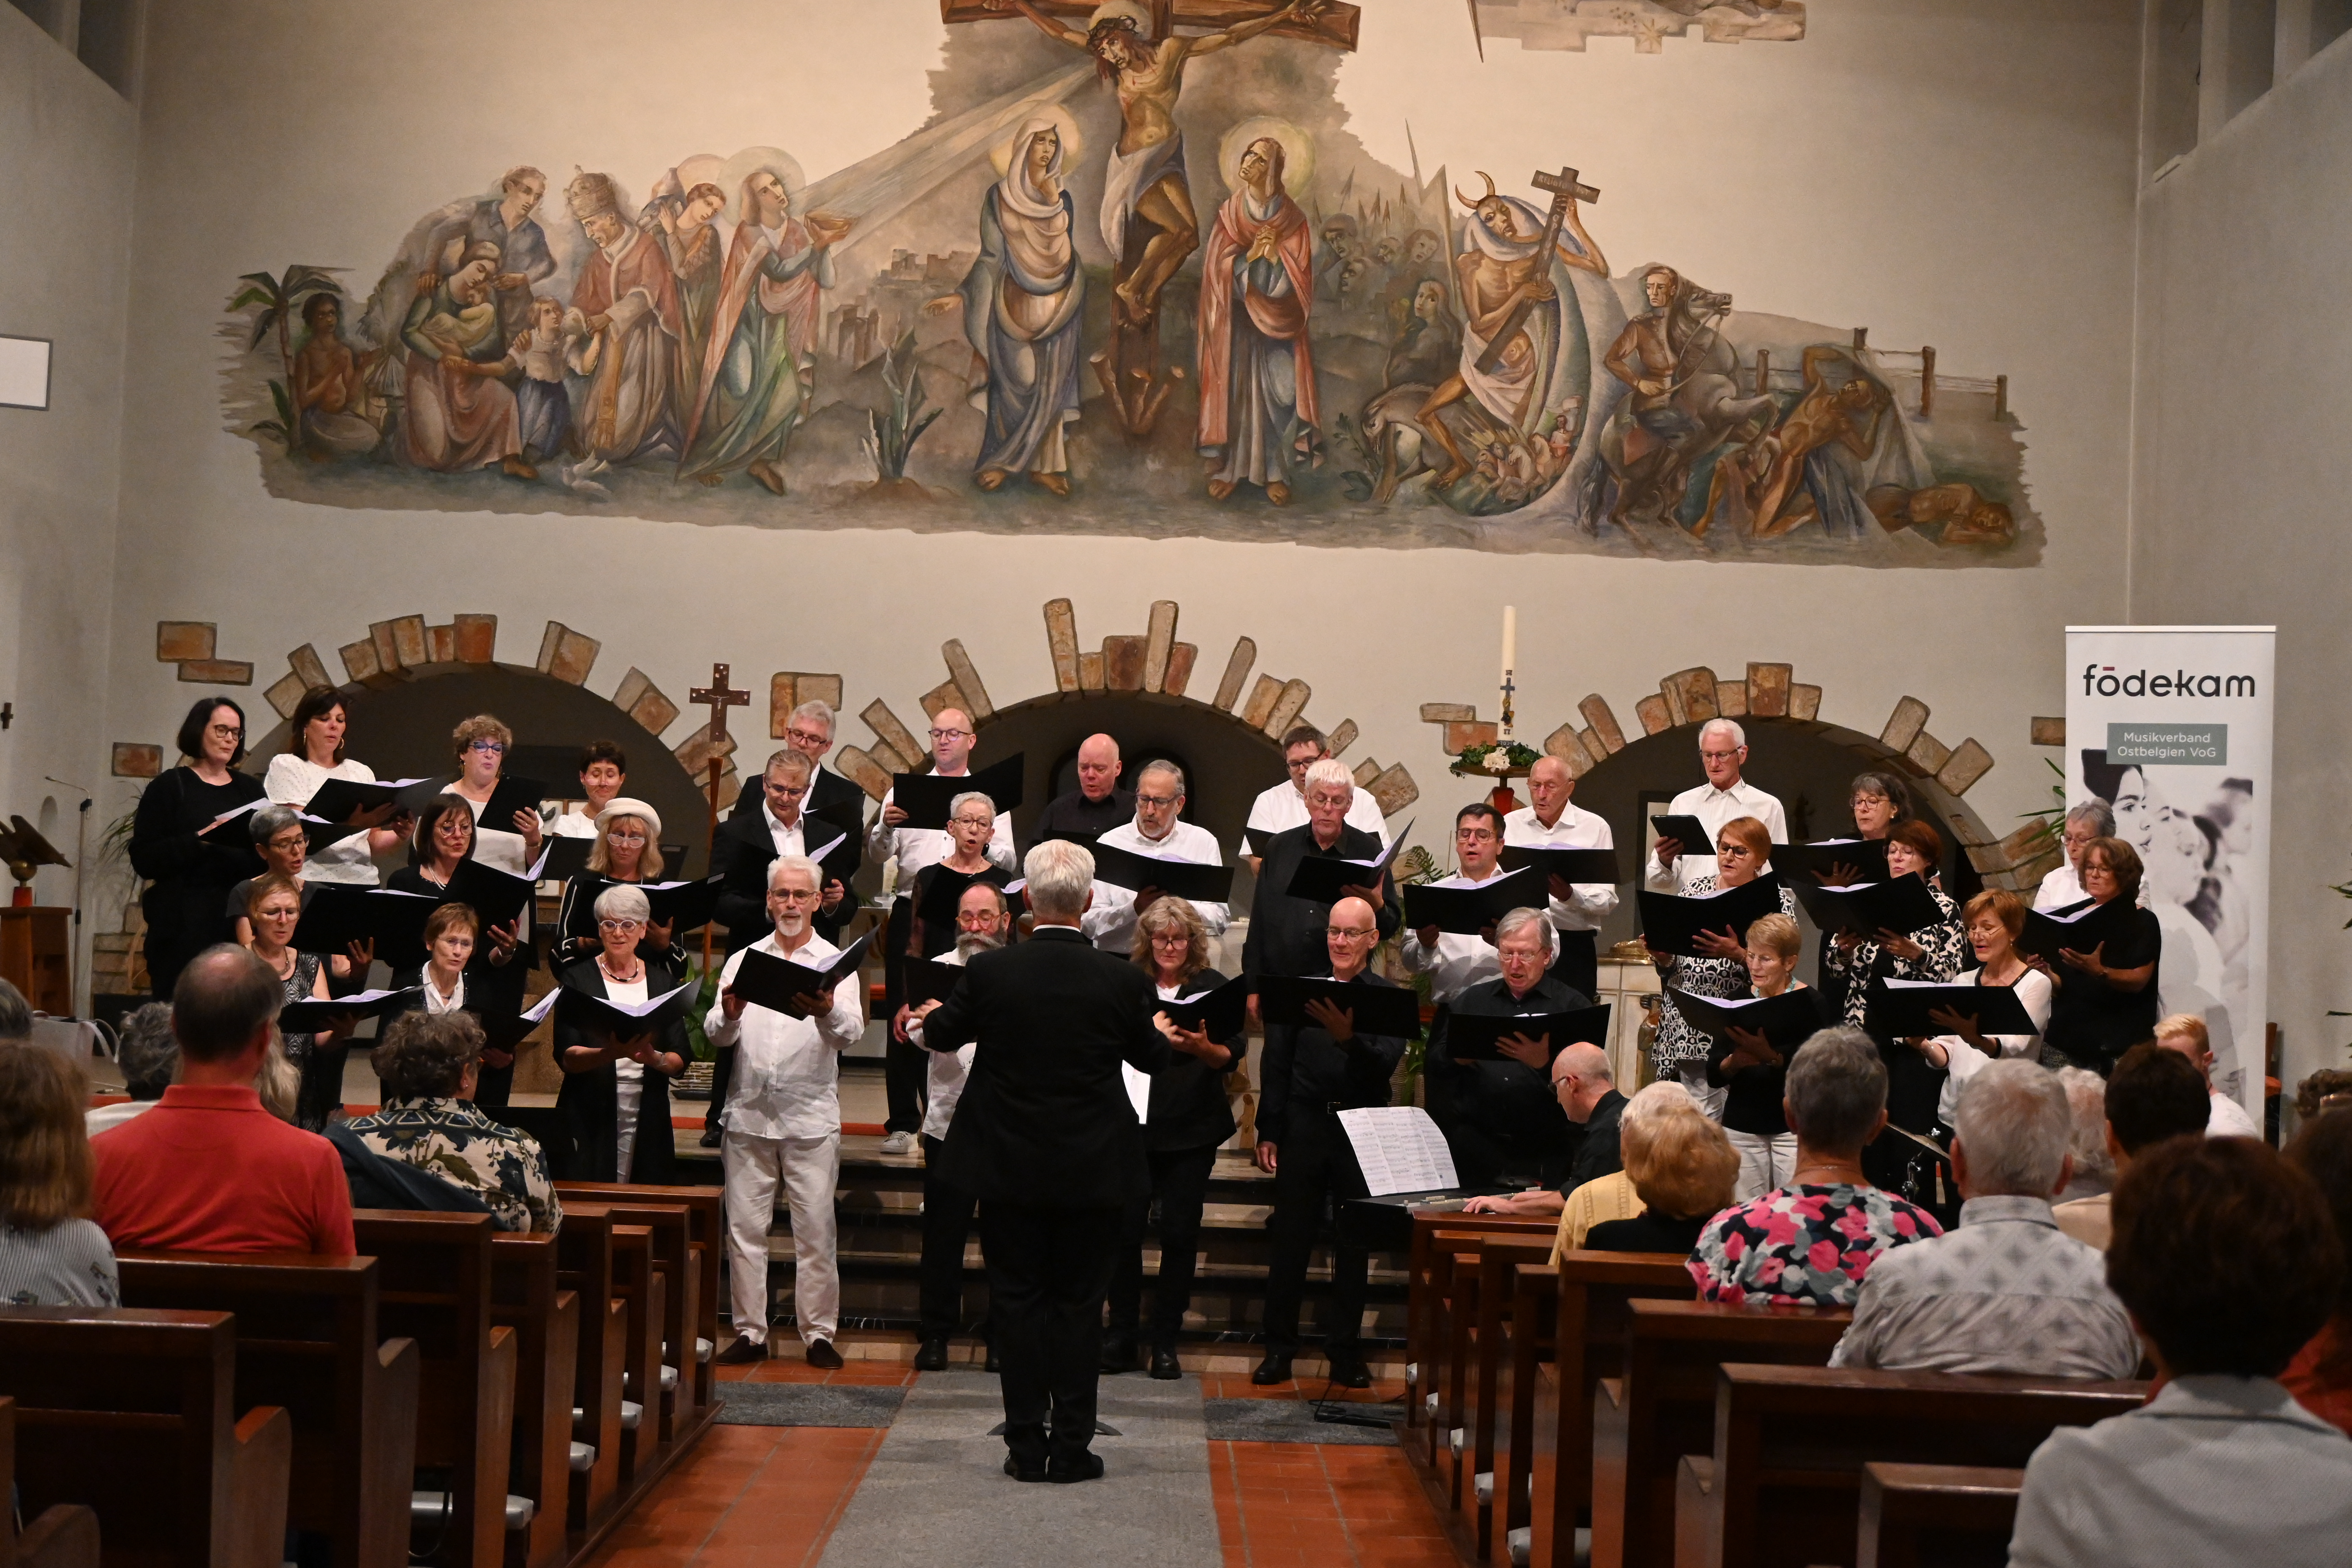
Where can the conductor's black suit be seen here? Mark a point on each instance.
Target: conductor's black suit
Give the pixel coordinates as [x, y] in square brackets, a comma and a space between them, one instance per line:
[1047, 1139]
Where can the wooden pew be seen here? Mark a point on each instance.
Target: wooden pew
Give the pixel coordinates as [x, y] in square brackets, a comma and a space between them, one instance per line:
[132, 1415]
[1936, 1516]
[1487, 1446]
[706, 1208]
[585, 1265]
[668, 1397]
[1790, 1442]
[527, 1295]
[1664, 1407]
[1421, 1286]
[1589, 1296]
[638, 1283]
[64, 1535]
[433, 1275]
[307, 1339]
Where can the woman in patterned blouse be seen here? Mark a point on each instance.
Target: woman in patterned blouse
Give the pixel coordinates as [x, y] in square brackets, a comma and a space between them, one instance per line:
[1680, 1051]
[429, 1065]
[1810, 1243]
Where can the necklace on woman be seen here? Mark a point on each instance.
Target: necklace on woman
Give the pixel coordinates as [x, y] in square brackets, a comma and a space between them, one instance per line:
[1853, 1177]
[637, 972]
[285, 970]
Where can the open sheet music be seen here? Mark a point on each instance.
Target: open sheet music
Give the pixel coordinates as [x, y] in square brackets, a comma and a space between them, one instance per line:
[1400, 1149]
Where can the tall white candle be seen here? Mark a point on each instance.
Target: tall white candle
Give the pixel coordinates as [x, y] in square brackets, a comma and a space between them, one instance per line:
[1510, 641]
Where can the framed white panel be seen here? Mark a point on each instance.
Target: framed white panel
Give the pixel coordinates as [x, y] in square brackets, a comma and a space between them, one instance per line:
[24, 372]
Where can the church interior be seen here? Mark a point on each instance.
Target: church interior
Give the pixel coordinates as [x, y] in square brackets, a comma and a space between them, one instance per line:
[794, 397]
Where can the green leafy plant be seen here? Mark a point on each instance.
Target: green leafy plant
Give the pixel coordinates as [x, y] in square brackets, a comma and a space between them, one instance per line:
[2052, 817]
[281, 300]
[698, 1043]
[895, 430]
[1517, 755]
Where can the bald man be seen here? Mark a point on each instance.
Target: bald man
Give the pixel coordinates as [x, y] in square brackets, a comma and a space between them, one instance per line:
[1586, 1089]
[1577, 909]
[1098, 805]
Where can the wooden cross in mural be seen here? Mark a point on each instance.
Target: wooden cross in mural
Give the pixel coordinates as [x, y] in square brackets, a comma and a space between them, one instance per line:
[1335, 25]
[719, 696]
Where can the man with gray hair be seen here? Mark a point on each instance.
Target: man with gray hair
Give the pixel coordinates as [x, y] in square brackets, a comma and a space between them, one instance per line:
[1723, 752]
[1046, 1138]
[1287, 934]
[1159, 831]
[2064, 884]
[144, 1049]
[2007, 1291]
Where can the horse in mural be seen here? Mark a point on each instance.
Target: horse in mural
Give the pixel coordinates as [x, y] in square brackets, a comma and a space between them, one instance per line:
[1685, 397]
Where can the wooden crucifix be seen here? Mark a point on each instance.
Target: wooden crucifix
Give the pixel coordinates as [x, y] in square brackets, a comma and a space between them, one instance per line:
[1566, 188]
[719, 696]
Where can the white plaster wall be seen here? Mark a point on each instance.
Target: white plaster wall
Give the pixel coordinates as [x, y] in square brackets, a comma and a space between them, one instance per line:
[1954, 172]
[2239, 512]
[68, 148]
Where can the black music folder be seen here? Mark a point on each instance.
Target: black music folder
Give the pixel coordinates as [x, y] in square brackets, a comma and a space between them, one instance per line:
[1476, 1036]
[622, 1020]
[1185, 880]
[838, 857]
[924, 797]
[1685, 830]
[309, 1015]
[1221, 1010]
[1320, 878]
[565, 857]
[1569, 865]
[1786, 1021]
[337, 914]
[849, 815]
[318, 832]
[1378, 1009]
[340, 800]
[1468, 912]
[497, 897]
[507, 797]
[1900, 1008]
[2076, 928]
[683, 906]
[1838, 862]
[1902, 905]
[929, 979]
[766, 981]
[943, 889]
[1671, 921]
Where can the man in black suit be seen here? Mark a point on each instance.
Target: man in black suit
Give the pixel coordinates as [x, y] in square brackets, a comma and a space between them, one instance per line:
[1287, 934]
[1047, 1139]
[809, 731]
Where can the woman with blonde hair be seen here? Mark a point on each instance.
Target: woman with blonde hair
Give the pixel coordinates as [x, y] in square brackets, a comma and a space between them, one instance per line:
[1684, 1171]
[273, 906]
[51, 1255]
[627, 848]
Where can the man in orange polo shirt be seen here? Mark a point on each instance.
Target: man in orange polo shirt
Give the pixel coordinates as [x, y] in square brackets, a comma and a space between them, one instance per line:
[209, 1170]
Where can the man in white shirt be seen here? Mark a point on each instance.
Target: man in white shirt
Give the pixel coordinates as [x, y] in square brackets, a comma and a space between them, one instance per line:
[1454, 961]
[1159, 832]
[2064, 885]
[1577, 909]
[2185, 1033]
[1284, 806]
[1722, 752]
[783, 1123]
[983, 920]
[911, 849]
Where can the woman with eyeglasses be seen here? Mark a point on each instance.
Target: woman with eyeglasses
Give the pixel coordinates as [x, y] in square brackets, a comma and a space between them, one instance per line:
[190, 862]
[1680, 1050]
[273, 906]
[616, 1094]
[315, 741]
[627, 849]
[497, 963]
[482, 744]
[971, 824]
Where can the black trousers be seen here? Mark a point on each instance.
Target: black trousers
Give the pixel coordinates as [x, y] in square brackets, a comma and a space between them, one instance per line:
[1579, 963]
[1047, 1272]
[905, 1065]
[1180, 1180]
[1315, 1169]
[947, 1223]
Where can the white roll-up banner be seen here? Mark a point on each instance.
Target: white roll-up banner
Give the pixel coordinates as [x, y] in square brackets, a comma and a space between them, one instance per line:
[2170, 726]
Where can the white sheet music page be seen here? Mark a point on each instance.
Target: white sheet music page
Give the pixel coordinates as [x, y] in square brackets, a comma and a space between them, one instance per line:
[1400, 1149]
[1138, 1091]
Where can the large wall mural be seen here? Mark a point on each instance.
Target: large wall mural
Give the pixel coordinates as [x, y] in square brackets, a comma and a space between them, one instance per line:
[1136, 275]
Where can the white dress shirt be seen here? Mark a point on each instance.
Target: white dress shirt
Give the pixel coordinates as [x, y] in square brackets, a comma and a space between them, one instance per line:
[915, 847]
[787, 1077]
[292, 781]
[501, 850]
[456, 1001]
[1457, 961]
[2060, 887]
[572, 825]
[1713, 807]
[2229, 1119]
[793, 840]
[1109, 922]
[1284, 807]
[1574, 830]
[947, 1071]
[1963, 1060]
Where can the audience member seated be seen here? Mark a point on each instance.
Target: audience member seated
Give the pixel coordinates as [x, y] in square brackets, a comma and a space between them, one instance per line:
[2227, 1259]
[429, 1064]
[1685, 1172]
[1584, 1087]
[2185, 1033]
[2329, 1088]
[51, 1254]
[2007, 1291]
[1612, 1197]
[2093, 1168]
[149, 1058]
[15, 1015]
[2320, 1376]
[2153, 1094]
[209, 1169]
[1810, 1242]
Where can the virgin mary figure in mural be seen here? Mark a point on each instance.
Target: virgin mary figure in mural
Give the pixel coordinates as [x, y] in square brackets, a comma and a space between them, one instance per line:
[1258, 409]
[623, 330]
[753, 386]
[457, 414]
[1022, 303]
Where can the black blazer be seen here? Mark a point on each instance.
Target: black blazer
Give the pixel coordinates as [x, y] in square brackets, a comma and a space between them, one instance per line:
[1044, 1121]
[825, 788]
[1189, 1108]
[186, 906]
[744, 849]
[493, 988]
[589, 1102]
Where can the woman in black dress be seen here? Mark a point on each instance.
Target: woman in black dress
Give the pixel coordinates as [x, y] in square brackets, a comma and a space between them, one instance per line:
[191, 869]
[616, 1094]
[2106, 1000]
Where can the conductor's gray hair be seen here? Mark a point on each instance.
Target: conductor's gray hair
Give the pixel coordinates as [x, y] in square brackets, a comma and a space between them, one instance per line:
[1329, 771]
[2095, 813]
[1520, 919]
[272, 820]
[956, 804]
[820, 711]
[2015, 1124]
[1722, 727]
[1060, 875]
[1836, 1088]
[1162, 766]
[2086, 1104]
[622, 902]
[800, 863]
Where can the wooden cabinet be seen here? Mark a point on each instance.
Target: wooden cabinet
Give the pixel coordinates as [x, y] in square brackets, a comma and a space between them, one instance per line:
[37, 956]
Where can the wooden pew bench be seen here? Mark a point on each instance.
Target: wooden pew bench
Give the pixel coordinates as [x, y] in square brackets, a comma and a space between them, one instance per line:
[132, 1415]
[707, 1232]
[1422, 1287]
[1491, 1376]
[63, 1535]
[1936, 1516]
[1791, 1442]
[526, 1296]
[585, 1265]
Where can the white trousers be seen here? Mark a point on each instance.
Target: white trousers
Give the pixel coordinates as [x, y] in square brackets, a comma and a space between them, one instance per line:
[1765, 1163]
[1693, 1076]
[808, 1169]
[629, 1099]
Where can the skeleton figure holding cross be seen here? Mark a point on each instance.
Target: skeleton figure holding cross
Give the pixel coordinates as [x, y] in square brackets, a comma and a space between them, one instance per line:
[1511, 325]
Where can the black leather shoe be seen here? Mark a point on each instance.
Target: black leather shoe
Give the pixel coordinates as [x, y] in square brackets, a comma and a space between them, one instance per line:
[1347, 1369]
[991, 1365]
[1117, 1355]
[743, 1353]
[823, 1356]
[710, 1138]
[1083, 1467]
[1274, 1369]
[1013, 1468]
[1164, 1365]
[931, 1356]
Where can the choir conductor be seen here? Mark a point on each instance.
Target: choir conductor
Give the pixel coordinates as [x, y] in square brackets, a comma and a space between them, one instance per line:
[1047, 1139]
